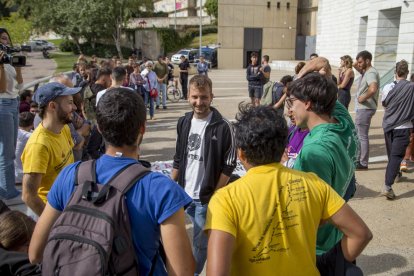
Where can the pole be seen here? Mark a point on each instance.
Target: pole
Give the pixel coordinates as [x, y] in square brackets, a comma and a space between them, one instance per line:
[201, 25]
[175, 14]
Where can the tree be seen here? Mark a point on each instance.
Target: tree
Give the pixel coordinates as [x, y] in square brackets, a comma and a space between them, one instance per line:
[211, 7]
[18, 28]
[83, 19]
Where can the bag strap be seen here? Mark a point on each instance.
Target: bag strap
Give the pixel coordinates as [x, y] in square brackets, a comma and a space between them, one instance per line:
[128, 177]
[86, 171]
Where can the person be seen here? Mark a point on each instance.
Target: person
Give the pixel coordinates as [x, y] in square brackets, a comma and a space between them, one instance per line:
[279, 94]
[34, 108]
[398, 100]
[265, 223]
[49, 148]
[184, 66]
[170, 78]
[155, 203]
[345, 81]
[204, 159]
[11, 83]
[161, 70]
[136, 81]
[202, 66]
[25, 99]
[75, 77]
[150, 82]
[296, 136]
[331, 140]
[366, 103]
[313, 55]
[118, 78]
[298, 67]
[25, 130]
[254, 77]
[16, 230]
[265, 69]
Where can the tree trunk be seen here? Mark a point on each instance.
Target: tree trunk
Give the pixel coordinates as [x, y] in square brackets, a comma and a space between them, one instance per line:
[117, 36]
[76, 39]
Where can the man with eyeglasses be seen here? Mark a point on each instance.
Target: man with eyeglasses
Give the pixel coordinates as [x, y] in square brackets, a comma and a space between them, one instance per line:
[330, 149]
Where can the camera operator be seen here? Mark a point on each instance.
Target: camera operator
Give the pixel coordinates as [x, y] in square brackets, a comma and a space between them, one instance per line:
[11, 82]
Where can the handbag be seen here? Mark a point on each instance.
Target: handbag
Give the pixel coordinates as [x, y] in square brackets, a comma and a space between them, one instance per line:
[153, 91]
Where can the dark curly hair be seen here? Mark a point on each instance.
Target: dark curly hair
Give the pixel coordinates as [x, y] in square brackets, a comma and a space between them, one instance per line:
[317, 89]
[260, 133]
[120, 114]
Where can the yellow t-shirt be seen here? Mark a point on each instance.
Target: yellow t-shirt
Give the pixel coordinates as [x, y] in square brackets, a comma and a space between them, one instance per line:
[274, 213]
[47, 153]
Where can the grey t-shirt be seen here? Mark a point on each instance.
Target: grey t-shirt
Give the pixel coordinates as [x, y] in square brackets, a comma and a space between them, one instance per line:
[370, 76]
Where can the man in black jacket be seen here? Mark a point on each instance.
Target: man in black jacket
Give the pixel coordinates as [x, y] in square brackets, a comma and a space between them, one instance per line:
[398, 100]
[255, 77]
[205, 158]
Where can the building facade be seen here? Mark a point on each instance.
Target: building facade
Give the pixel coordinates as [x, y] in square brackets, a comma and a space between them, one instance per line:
[263, 26]
[383, 27]
[184, 8]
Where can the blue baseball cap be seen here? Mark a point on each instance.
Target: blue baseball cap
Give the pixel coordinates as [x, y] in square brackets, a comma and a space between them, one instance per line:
[49, 91]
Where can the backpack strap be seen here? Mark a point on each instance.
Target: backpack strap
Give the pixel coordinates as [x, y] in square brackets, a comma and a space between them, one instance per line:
[122, 181]
[86, 171]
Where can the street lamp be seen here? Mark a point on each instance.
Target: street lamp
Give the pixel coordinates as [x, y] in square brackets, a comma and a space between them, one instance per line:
[201, 25]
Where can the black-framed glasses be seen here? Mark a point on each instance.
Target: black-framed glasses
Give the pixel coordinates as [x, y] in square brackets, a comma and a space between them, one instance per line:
[289, 101]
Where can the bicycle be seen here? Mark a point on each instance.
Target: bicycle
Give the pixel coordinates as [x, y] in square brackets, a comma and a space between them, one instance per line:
[174, 93]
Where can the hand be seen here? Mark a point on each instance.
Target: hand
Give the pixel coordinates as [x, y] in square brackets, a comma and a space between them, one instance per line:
[361, 99]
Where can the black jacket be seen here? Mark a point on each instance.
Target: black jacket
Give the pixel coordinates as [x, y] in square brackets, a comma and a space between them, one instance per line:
[219, 152]
[16, 263]
[254, 80]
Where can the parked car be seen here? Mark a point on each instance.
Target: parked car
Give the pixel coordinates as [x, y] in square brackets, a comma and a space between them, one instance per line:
[39, 45]
[188, 53]
[210, 55]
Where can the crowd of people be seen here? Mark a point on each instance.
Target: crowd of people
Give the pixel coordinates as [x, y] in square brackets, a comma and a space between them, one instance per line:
[95, 207]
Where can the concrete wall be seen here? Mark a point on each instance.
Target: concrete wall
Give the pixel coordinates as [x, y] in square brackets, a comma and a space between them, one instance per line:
[184, 7]
[167, 22]
[149, 42]
[369, 25]
[278, 24]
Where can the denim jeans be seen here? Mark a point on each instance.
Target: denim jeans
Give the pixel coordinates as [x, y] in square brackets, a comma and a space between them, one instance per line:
[362, 123]
[151, 103]
[162, 88]
[197, 213]
[9, 122]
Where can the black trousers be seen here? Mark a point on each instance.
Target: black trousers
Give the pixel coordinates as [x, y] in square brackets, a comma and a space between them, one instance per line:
[344, 97]
[184, 84]
[333, 263]
[396, 141]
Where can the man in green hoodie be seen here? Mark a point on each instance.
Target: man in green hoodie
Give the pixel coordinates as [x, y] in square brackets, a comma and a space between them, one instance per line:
[330, 150]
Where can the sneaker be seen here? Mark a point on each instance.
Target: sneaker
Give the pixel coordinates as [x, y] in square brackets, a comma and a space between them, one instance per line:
[360, 167]
[164, 107]
[403, 166]
[388, 194]
[157, 107]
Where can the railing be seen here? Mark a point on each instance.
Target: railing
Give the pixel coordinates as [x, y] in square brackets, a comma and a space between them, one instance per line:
[387, 78]
[37, 82]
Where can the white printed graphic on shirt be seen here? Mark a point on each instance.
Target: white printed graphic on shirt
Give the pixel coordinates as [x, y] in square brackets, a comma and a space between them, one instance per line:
[195, 169]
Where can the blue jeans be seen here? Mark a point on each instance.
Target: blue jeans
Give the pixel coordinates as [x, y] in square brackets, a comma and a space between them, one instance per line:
[197, 213]
[9, 122]
[151, 103]
[162, 88]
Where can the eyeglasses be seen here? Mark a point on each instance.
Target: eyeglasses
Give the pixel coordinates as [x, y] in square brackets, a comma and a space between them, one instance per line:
[289, 101]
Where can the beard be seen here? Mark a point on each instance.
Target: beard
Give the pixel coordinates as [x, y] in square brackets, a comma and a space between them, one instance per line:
[64, 117]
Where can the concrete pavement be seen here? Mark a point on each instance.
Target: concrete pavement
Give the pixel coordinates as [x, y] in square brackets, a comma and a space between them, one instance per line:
[391, 252]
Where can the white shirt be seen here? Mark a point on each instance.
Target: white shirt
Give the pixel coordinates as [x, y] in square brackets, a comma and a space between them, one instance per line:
[22, 138]
[194, 173]
[102, 92]
[13, 88]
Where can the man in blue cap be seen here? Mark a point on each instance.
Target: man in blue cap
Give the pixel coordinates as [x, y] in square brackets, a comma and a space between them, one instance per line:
[49, 148]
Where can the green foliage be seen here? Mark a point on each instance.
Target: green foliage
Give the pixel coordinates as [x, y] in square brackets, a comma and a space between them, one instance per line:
[145, 14]
[211, 7]
[18, 28]
[172, 41]
[100, 50]
[205, 40]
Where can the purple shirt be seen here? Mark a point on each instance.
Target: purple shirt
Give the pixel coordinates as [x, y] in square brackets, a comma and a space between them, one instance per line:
[296, 137]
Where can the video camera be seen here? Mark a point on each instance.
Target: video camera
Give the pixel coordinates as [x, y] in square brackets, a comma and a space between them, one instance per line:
[9, 58]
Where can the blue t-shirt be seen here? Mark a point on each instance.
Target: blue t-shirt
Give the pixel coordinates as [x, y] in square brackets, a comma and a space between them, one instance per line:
[150, 202]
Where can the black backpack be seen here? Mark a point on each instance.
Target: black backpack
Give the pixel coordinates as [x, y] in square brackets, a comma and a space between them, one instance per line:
[93, 234]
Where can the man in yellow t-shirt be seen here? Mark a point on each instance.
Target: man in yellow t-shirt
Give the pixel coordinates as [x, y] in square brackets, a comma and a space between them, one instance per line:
[266, 222]
[49, 148]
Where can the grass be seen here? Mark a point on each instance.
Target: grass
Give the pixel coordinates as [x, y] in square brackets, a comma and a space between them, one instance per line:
[56, 41]
[206, 40]
[64, 60]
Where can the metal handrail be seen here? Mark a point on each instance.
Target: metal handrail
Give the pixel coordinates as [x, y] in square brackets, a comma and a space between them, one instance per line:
[387, 78]
[37, 82]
